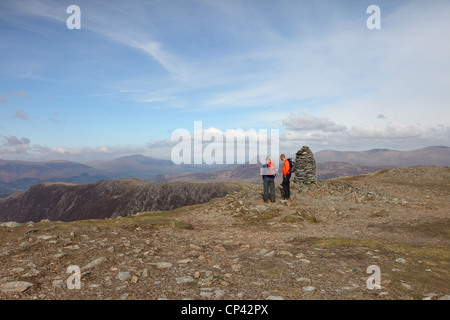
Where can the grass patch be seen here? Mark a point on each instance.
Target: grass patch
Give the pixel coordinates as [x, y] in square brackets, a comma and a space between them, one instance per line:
[441, 253]
[261, 216]
[300, 216]
[426, 270]
[152, 219]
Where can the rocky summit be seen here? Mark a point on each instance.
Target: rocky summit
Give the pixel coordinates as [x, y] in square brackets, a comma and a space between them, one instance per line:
[383, 235]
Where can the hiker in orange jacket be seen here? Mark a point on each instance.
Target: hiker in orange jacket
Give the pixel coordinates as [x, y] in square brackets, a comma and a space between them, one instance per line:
[286, 177]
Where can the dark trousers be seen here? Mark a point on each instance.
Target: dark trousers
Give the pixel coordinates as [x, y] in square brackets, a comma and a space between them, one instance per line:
[269, 183]
[286, 186]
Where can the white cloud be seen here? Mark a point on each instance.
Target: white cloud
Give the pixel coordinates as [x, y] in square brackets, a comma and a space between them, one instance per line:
[14, 141]
[392, 131]
[306, 122]
[12, 146]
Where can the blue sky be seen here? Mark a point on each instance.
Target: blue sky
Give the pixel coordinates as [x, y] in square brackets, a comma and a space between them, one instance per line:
[138, 70]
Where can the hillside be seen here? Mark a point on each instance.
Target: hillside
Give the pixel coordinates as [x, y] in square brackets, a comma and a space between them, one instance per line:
[105, 199]
[318, 245]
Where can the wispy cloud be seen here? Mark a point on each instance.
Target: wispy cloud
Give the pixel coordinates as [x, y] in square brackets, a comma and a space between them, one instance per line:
[306, 122]
[20, 114]
[22, 94]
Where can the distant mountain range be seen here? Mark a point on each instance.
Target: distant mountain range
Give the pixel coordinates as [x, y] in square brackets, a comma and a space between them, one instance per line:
[430, 156]
[250, 173]
[21, 175]
[18, 176]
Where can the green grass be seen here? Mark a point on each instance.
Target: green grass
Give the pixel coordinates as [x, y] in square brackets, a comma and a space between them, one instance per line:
[441, 254]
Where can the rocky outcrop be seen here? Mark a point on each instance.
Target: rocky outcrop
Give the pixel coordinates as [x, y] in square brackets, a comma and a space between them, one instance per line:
[105, 199]
[305, 166]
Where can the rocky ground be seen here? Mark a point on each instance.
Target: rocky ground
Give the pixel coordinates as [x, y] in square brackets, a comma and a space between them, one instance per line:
[318, 245]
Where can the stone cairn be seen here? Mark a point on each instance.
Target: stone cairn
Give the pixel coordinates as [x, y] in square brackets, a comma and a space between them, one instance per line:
[305, 166]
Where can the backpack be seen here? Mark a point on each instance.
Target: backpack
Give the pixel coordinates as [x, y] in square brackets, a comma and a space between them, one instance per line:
[291, 165]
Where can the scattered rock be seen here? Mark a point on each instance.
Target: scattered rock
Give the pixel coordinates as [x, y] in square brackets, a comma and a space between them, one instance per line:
[306, 261]
[407, 286]
[162, 265]
[184, 261]
[219, 293]
[94, 263]
[123, 276]
[57, 283]
[236, 267]
[271, 253]
[11, 224]
[72, 247]
[25, 245]
[274, 298]
[262, 251]
[308, 288]
[284, 253]
[429, 296]
[185, 279]
[31, 273]
[44, 237]
[15, 286]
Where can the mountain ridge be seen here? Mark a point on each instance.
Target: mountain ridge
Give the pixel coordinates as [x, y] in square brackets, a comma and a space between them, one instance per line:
[429, 156]
[105, 199]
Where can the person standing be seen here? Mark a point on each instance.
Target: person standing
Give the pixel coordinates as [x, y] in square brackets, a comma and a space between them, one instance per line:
[268, 174]
[286, 177]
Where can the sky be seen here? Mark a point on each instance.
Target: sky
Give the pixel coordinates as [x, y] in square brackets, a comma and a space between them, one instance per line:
[135, 72]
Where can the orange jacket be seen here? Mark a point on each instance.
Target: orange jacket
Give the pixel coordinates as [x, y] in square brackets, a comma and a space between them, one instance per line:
[286, 167]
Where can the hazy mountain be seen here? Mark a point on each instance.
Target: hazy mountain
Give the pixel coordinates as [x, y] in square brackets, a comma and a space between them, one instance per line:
[330, 170]
[20, 175]
[430, 156]
[135, 163]
[105, 199]
[146, 168]
[11, 171]
[250, 173]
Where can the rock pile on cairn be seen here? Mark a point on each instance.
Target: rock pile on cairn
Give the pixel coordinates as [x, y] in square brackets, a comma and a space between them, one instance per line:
[305, 166]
